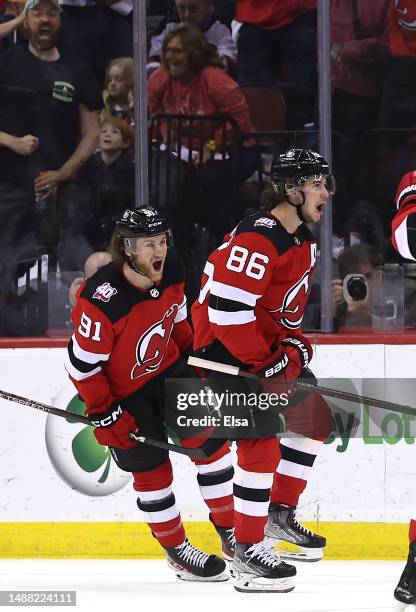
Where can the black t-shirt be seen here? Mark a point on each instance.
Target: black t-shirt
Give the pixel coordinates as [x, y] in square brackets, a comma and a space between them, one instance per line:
[42, 99]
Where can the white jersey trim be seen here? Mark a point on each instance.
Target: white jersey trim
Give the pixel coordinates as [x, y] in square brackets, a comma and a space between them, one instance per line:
[152, 496]
[250, 508]
[295, 470]
[162, 516]
[221, 317]
[87, 356]
[209, 271]
[306, 445]
[234, 293]
[220, 490]
[252, 480]
[76, 374]
[400, 236]
[182, 312]
[220, 464]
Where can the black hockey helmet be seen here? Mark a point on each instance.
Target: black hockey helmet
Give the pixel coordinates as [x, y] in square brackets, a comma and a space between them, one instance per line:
[294, 167]
[142, 222]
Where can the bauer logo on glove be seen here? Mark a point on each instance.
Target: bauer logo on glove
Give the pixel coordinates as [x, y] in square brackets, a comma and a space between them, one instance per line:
[277, 367]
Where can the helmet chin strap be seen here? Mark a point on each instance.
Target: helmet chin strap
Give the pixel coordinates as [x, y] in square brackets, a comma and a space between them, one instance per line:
[132, 265]
[298, 207]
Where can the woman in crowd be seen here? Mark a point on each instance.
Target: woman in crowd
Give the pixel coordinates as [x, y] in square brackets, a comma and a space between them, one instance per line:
[191, 81]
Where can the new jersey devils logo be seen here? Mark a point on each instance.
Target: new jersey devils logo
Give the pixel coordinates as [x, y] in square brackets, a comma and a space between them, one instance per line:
[407, 12]
[293, 304]
[151, 346]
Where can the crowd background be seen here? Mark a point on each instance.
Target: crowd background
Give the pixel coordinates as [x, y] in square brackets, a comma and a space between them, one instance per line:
[230, 84]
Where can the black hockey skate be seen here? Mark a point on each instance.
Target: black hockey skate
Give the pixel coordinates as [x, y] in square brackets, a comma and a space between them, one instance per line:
[282, 525]
[259, 570]
[405, 591]
[227, 541]
[190, 563]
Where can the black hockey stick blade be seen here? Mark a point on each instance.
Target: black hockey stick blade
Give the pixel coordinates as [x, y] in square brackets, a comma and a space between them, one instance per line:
[198, 453]
[304, 386]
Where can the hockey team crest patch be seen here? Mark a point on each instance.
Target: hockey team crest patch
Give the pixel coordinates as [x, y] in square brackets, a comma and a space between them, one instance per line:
[151, 346]
[265, 222]
[104, 292]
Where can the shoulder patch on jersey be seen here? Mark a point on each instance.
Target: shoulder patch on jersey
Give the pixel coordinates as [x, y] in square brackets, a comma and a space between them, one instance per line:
[104, 292]
[273, 230]
[265, 221]
[111, 293]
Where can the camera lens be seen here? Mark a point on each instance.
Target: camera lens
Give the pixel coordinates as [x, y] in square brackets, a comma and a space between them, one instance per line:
[357, 288]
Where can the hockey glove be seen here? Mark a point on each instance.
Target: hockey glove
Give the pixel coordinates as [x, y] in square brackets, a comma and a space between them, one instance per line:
[112, 428]
[280, 372]
[306, 376]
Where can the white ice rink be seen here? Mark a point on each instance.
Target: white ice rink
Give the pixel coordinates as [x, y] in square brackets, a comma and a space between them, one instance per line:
[149, 586]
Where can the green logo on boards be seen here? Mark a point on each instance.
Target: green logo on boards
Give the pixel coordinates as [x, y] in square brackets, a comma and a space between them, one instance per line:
[82, 463]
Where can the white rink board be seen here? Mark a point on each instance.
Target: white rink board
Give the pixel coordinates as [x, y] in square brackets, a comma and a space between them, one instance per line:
[366, 482]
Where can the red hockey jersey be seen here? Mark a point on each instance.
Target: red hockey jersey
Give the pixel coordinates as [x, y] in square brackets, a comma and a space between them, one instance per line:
[404, 223]
[125, 336]
[254, 288]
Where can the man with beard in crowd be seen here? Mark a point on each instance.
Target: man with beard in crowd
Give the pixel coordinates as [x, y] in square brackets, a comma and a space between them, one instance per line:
[48, 129]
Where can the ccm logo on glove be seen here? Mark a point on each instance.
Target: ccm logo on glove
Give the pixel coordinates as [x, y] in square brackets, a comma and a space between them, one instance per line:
[107, 421]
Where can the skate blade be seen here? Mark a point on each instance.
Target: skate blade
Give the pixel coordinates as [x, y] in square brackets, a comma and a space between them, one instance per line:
[398, 606]
[298, 553]
[187, 577]
[248, 583]
[230, 567]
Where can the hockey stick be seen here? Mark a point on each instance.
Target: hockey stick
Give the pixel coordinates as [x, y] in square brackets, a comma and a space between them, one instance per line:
[304, 386]
[198, 453]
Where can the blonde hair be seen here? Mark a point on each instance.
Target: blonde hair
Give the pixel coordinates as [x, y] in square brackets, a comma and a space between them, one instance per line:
[126, 65]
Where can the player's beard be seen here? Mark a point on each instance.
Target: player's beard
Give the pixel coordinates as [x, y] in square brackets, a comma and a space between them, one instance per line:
[147, 269]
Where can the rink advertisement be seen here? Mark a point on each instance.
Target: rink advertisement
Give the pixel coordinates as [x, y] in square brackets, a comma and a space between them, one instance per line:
[54, 474]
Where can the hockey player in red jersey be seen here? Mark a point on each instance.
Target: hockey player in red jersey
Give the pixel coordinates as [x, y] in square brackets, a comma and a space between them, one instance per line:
[249, 312]
[131, 330]
[404, 223]
[404, 241]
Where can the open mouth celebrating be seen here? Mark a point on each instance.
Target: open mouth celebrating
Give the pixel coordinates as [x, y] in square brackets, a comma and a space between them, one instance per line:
[157, 265]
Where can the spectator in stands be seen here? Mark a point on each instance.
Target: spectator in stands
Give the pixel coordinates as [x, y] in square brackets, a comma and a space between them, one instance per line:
[199, 14]
[108, 177]
[48, 129]
[98, 32]
[11, 24]
[191, 81]
[358, 55]
[118, 92]
[358, 259]
[398, 106]
[276, 42]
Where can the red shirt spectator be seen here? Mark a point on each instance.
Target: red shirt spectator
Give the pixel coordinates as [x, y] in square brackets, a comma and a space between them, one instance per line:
[354, 52]
[209, 92]
[183, 86]
[271, 14]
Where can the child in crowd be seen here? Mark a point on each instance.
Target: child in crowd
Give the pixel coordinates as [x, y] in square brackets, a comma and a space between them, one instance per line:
[118, 92]
[108, 176]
